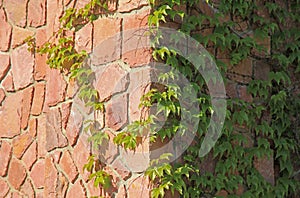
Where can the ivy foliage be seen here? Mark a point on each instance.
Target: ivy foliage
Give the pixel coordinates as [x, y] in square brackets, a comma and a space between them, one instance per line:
[263, 128]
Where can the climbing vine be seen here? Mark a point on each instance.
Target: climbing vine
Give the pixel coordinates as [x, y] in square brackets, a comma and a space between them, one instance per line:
[236, 28]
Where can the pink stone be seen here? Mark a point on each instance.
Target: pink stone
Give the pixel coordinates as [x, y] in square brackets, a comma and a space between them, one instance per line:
[51, 178]
[26, 106]
[62, 185]
[5, 31]
[129, 5]
[108, 84]
[30, 155]
[54, 136]
[8, 83]
[5, 155]
[83, 38]
[10, 115]
[106, 44]
[16, 173]
[77, 190]
[22, 64]
[54, 11]
[65, 113]
[27, 189]
[19, 35]
[41, 135]
[21, 143]
[4, 188]
[36, 13]
[116, 112]
[74, 126]
[16, 11]
[2, 95]
[55, 87]
[4, 64]
[139, 187]
[37, 173]
[80, 156]
[68, 166]
[38, 98]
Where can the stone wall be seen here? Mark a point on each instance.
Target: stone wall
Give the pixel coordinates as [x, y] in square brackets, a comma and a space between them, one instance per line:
[42, 147]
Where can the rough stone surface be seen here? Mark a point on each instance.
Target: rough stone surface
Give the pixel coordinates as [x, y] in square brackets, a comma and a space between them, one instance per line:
[65, 113]
[4, 64]
[4, 188]
[80, 155]
[5, 155]
[54, 136]
[8, 83]
[265, 167]
[19, 35]
[22, 64]
[106, 44]
[5, 31]
[40, 69]
[10, 116]
[83, 38]
[38, 98]
[16, 11]
[16, 173]
[41, 135]
[243, 94]
[30, 155]
[2, 95]
[68, 166]
[37, 173]
[55, 87]
[74, 126]
[21, 143]
[107, 84]
[128, 5]
[37, 13]
[27, 189]
[62, 185]
[139, 187]
[51, 177]
[77, 190]
[26, 106]
[116, 112]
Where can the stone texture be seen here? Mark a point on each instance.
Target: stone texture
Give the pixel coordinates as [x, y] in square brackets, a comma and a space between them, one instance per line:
[16, 11]
[36, 13]
[74, 126]
[231, 89]
[5, 155]
[30, 156]
[21, 143]
[55, 87]
[16, 173]
[129, 5]
[27, 189]
[2, 95]
[241, 72]
[26, 106]
[80, 155]
[116, 112]
[77, 190]
[108, 84]
[10, 115]
[62, 186]
[83, 38]
[41, 135]
[51, 178]
[265, 167]
[136, 49]
[139, 187]
[106, 44]
[22, 64]
[5, 31]
[4, 188]
[19, 35]
[38, 98]
[8, 83]
[37, 173]
[261, 70]
[54, 11]
[40, 60]
[65, 113]
[4, 64]
[243, 94]
[68, 166]
[54, 136]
